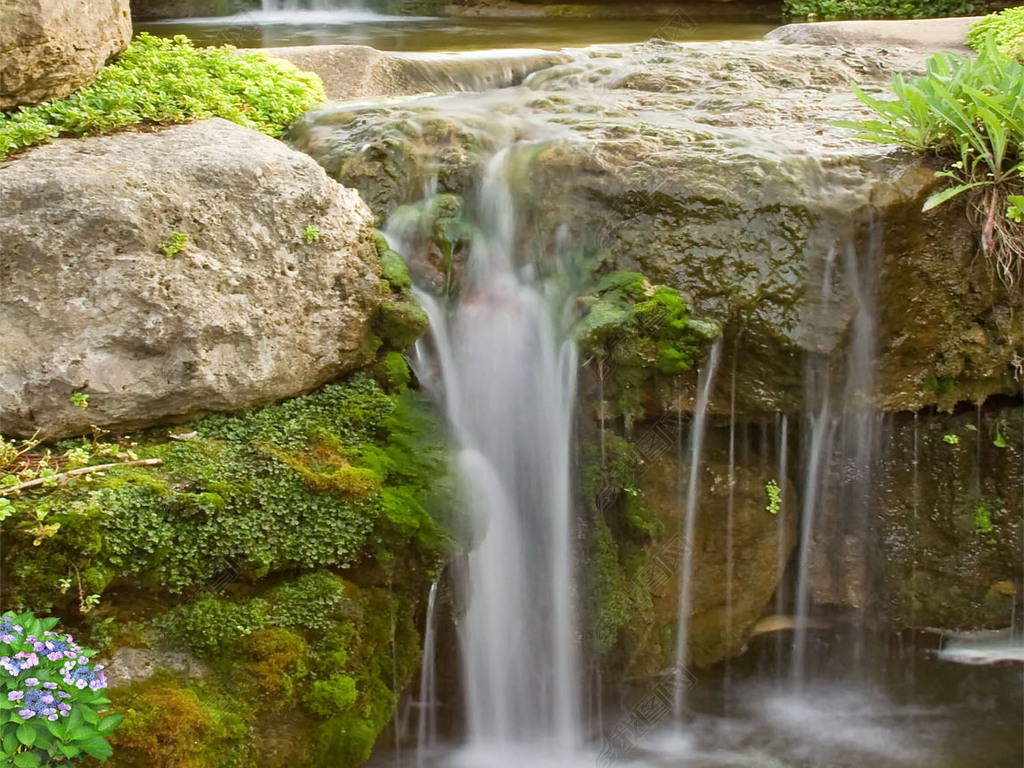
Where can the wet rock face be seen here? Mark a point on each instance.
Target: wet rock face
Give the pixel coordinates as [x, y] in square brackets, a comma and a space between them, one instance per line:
[714, 168]
[179, 280]
[950, 495]
[49, 48]
[737, 563]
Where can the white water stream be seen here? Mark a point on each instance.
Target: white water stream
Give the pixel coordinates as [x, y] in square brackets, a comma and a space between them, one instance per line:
[508, 375]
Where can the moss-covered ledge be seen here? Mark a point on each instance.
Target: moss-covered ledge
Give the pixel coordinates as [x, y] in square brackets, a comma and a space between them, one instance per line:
[254, 580]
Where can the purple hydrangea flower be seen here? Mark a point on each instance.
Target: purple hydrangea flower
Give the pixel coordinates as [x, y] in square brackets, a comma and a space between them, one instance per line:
[35, 704]
[29, 660]
[15, 695]
[19, 663]
[82, 676]
[9, 631]
[50, 686]
[55, 650]
[31, 682]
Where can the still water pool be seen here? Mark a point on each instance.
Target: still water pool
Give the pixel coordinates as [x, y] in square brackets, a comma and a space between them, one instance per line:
[401, 33]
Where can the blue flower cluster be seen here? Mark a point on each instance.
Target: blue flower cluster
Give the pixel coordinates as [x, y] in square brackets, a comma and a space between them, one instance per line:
[39, 692]
[81, 675]
[9, 631]
[45, 701]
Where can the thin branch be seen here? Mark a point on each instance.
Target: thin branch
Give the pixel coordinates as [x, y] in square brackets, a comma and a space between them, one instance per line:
[77, 472]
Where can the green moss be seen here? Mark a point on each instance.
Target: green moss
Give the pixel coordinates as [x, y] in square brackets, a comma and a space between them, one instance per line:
[380, 654]
[167, 723]
[400, 323]
[327, 479]
[392, 372]
[392, 266]
[613, 605]
[340, 652]
[313, 600]
[278, 663]
[638, 334]
[622, 527]
[212, 626]
[161, 81]
[983, 520]
[331, 696]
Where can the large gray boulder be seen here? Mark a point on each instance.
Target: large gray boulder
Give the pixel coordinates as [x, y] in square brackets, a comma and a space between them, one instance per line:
[715, 168]
[248, 312]
[49, 48]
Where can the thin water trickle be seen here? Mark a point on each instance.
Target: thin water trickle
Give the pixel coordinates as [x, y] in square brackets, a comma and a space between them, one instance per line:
[819, 421]
[426, 706]
[781, 526]
[705, 382]
[840, 449]
[730, 512]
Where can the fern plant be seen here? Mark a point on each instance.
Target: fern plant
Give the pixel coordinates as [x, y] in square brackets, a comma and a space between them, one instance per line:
[970, 111]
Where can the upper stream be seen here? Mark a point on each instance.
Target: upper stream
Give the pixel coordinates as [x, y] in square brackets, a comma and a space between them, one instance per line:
[260, 29]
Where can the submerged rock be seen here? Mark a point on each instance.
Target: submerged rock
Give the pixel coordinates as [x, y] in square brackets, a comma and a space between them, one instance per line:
[731, 588]
[49, 49]
[715, 169]
[181, 279]
[357, 71]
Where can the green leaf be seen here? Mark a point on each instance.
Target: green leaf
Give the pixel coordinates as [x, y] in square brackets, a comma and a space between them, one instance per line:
[26, 734]
[949, 193]
[96, 747]
[27, 759]
[81, 732]
[1000, 441]
[75, 719]
[69, 750]
[9, 741]
[44, 740]
[110, 722]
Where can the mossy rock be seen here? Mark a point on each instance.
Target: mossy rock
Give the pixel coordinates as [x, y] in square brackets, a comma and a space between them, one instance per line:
[327, 479]
[638, 336]
[302, 672]
[400, 323]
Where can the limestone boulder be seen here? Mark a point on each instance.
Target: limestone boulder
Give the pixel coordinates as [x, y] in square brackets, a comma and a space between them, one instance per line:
[49, 48]
[717, 169]
[153, 276]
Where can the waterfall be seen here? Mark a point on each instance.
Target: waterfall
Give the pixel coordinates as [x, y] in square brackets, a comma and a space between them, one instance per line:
[277, 6]
[509, 380]
[426, 725]
[840, 447]
[704, 386]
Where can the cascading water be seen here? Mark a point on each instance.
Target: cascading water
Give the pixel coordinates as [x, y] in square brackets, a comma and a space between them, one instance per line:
[705, 382]
[426, 724]
[509, 382]
[840, 444]
[278, 6]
